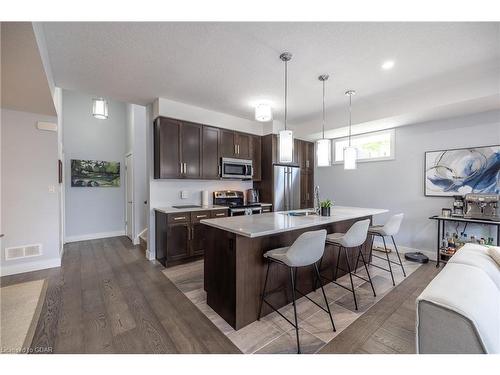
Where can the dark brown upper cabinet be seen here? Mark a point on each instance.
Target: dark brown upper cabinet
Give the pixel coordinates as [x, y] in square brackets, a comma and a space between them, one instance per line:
[167, 156]
[184, 149]
[177, 149]
[256, 152]
[210, 152]
[191, 143]
[235, 145]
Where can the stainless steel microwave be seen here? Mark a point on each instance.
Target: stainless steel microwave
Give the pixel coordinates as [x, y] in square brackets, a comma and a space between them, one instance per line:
[239, 169]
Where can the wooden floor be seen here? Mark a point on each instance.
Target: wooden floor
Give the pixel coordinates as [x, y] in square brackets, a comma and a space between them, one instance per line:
[389, 326]
[107, 298]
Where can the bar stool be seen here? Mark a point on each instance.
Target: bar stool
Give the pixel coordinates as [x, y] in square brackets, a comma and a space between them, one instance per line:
[390, 228]
[307, 249]
[352, 239]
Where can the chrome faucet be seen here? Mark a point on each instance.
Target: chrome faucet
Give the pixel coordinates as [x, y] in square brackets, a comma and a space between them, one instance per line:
[317, 207]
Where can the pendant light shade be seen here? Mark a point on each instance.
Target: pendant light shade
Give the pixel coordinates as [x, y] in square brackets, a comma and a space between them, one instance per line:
[323, 152]
[323, 146]
[100, 108]
[263, 113]
[286, 136]
[286, 146]
[350, 152]
[350, 156]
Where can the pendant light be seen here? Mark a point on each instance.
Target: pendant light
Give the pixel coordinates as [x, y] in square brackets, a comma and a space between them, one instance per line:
[323, 146]
[100, 108]
[286, 136]
[350, 152]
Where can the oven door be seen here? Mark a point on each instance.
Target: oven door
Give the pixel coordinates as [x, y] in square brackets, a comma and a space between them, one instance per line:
[236, 169]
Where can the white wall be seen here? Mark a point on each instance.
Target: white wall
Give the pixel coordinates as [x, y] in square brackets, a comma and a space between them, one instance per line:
[92, 212]
[398, 184]
[30, 199]
[136, 144]
[167, 192]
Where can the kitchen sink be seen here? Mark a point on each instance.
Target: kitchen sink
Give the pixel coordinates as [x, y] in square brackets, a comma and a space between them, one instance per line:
[300, 213]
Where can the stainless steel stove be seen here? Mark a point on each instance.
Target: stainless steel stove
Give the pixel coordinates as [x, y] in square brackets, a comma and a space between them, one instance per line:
[235, 201]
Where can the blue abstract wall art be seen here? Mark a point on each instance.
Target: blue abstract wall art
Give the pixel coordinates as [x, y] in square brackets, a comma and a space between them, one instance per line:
[462, 171]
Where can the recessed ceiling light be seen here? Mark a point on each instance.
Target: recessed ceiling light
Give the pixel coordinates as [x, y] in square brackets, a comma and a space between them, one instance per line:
[387, 65]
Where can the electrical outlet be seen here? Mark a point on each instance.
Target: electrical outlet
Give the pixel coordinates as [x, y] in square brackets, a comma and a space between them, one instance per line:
[52, 189]
[184, 194]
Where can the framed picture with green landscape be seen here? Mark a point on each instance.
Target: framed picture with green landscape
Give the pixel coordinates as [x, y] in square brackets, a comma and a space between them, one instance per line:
[95, 173]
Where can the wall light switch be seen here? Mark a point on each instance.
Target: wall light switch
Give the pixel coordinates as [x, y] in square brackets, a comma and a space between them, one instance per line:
[184, 194]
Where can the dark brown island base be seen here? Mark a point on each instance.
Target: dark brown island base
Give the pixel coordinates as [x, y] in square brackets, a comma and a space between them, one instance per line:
[235, 269]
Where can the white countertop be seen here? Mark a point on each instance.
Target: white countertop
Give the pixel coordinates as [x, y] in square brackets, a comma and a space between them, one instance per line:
[173, 210]
[278, 222]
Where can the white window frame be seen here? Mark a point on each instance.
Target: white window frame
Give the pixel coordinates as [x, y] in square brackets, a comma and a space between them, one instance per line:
[392, 133]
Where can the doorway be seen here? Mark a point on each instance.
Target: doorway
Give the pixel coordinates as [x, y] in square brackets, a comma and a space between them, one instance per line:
[129, 194]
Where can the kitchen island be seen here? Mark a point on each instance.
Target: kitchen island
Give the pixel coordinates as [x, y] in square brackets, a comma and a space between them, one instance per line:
[234, 268]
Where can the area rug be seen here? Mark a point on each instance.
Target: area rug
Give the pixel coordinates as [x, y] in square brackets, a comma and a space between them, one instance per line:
[273, 334]
[21, 305]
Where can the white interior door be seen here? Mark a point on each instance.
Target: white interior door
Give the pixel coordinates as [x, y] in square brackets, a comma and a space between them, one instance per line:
[129, 207]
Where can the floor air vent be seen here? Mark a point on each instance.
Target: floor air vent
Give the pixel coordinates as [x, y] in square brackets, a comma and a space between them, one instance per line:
[23, 251]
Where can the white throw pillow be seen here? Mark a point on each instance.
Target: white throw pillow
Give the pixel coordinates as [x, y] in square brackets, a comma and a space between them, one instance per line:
[494, 253]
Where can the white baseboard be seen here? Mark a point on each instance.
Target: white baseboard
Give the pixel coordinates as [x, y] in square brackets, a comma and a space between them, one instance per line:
[150, 255]
[16, 268]
[94, 236]
[405, 249]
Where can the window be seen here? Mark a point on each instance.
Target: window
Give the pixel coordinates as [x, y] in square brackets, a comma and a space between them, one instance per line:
[370, 146]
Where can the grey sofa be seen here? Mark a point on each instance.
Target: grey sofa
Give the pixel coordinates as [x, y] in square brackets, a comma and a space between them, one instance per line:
[459, 311]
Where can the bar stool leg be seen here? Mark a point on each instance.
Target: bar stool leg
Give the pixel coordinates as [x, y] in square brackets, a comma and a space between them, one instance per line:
[388, 261]
[366, 269]
[263, 291]
[397, 252]
[317, 277]
[350, 276]
[324, 296]
[292, 280]
[337, 265]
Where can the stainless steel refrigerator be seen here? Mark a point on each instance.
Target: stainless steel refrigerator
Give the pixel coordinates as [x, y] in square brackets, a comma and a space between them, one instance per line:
[286, 188]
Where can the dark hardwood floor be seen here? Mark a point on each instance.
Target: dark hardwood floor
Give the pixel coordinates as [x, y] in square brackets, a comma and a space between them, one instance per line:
[388, 327]
[107, 298]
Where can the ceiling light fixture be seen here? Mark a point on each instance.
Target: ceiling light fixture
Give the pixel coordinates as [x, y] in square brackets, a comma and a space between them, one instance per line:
[100, 108]
[387, 65]
[350, 152]
[263, 112]
[286, 136]
[323, 146]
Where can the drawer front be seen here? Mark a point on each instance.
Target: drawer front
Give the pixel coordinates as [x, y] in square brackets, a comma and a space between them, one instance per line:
[219, 213]
[199, 215]
[178, 218]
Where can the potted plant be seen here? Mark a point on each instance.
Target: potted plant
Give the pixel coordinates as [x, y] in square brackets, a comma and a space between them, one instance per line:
[325, 207]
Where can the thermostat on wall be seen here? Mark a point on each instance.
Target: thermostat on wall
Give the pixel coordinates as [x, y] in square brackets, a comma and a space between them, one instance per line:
[49, 126]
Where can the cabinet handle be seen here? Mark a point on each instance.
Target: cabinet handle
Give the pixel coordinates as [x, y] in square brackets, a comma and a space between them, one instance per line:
[199, 216]
[185, 167]
[238, 149]
[182, 167]
[219, 170]
[220, 214]
[180, 218]
[307, 163]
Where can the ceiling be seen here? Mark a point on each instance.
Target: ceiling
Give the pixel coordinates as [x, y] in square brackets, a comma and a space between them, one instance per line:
[24, 82]
[228, 67]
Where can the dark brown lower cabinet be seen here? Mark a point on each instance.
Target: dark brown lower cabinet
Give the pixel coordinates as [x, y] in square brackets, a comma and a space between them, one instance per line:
[180, 237]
